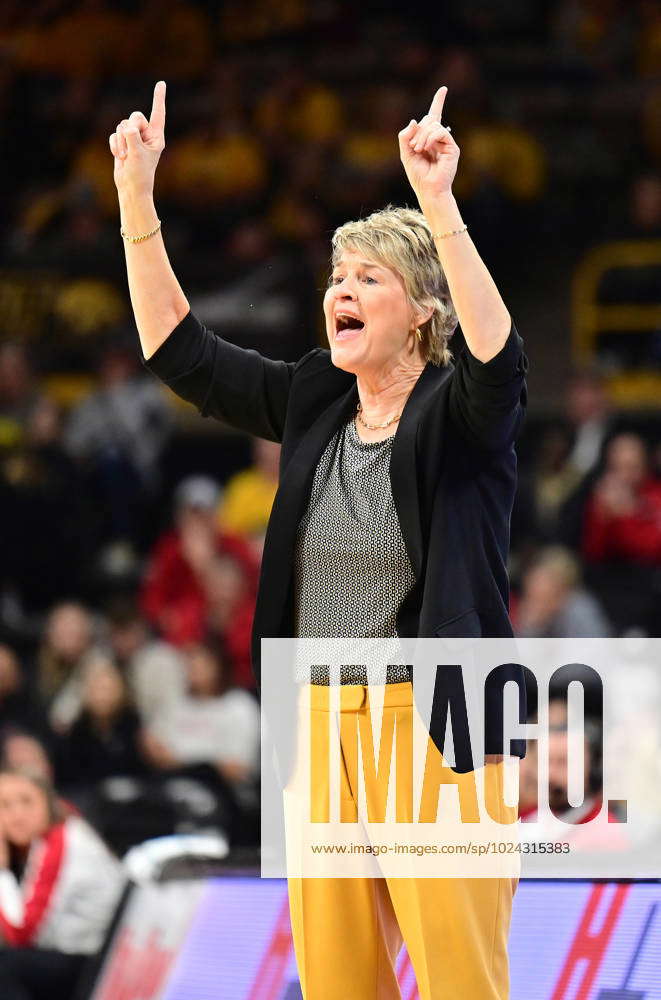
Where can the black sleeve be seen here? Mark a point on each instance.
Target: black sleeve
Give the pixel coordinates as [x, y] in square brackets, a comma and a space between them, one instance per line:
[233, 384]
[488, 398]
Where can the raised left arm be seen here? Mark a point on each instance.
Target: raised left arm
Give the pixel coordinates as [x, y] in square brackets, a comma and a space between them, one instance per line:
[430, 156]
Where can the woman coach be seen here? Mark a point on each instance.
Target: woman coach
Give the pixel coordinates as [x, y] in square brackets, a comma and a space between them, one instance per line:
[381, 438]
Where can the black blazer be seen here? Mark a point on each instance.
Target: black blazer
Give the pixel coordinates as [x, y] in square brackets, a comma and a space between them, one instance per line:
[453, 477]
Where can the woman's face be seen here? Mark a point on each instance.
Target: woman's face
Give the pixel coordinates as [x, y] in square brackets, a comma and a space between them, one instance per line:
[69, 631]
[103, 691]
[203, 672]
[375, 296]
[20, 750]
[23, 810]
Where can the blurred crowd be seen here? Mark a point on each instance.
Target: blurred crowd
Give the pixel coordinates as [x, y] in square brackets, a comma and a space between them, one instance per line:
[147, 676]
[131, 538]
[282, 122]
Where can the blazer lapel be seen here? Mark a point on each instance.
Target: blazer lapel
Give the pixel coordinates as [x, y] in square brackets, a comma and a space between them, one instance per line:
[289, 506]
[404, 474]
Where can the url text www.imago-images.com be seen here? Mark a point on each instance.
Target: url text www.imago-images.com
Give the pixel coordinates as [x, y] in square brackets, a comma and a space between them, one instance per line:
[531, 743]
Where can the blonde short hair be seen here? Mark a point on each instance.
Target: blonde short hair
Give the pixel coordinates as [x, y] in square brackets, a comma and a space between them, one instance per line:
[401, 239]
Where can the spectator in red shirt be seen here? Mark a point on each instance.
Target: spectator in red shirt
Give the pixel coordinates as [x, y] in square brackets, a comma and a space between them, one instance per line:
[623, 513]
[230, 607]
[181, 588]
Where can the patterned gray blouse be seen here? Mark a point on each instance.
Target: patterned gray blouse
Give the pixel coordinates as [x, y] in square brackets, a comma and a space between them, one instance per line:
[352, 570]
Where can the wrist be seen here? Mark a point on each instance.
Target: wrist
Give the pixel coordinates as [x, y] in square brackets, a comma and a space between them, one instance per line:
[136, 197]
[439, 199]
[441, 211]
[137, 212]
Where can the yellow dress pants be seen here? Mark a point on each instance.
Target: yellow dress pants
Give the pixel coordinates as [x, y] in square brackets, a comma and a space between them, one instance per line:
[348, 932]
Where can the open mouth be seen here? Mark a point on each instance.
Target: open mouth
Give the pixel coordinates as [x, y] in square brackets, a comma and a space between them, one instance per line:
[347, 326]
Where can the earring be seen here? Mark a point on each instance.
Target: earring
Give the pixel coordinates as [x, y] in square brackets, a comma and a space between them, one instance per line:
[418, 334]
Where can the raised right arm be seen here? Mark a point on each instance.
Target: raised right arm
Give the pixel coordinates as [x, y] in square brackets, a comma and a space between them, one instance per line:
[156, 296]
[239, 386]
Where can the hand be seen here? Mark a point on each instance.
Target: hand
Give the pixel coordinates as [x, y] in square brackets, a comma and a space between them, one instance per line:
[428, 152]
[137, 145]
[198, 545]
[233, 770]
[156, 752]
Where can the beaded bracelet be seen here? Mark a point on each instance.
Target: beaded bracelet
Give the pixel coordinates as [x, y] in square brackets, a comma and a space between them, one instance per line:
[452, 232]
[139, 239]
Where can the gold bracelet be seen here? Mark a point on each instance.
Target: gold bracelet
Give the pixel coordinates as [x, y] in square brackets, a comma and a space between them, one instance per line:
[139, 239]
[452, 232]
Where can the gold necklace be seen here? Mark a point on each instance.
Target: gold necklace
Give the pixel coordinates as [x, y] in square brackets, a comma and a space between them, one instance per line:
[376, 427]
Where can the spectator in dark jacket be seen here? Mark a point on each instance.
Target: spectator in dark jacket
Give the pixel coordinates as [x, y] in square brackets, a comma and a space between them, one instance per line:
[104, 740]
[18, 707]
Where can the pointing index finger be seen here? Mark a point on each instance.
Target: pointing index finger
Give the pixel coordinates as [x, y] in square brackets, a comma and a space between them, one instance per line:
[436, 106]
[157, 115]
